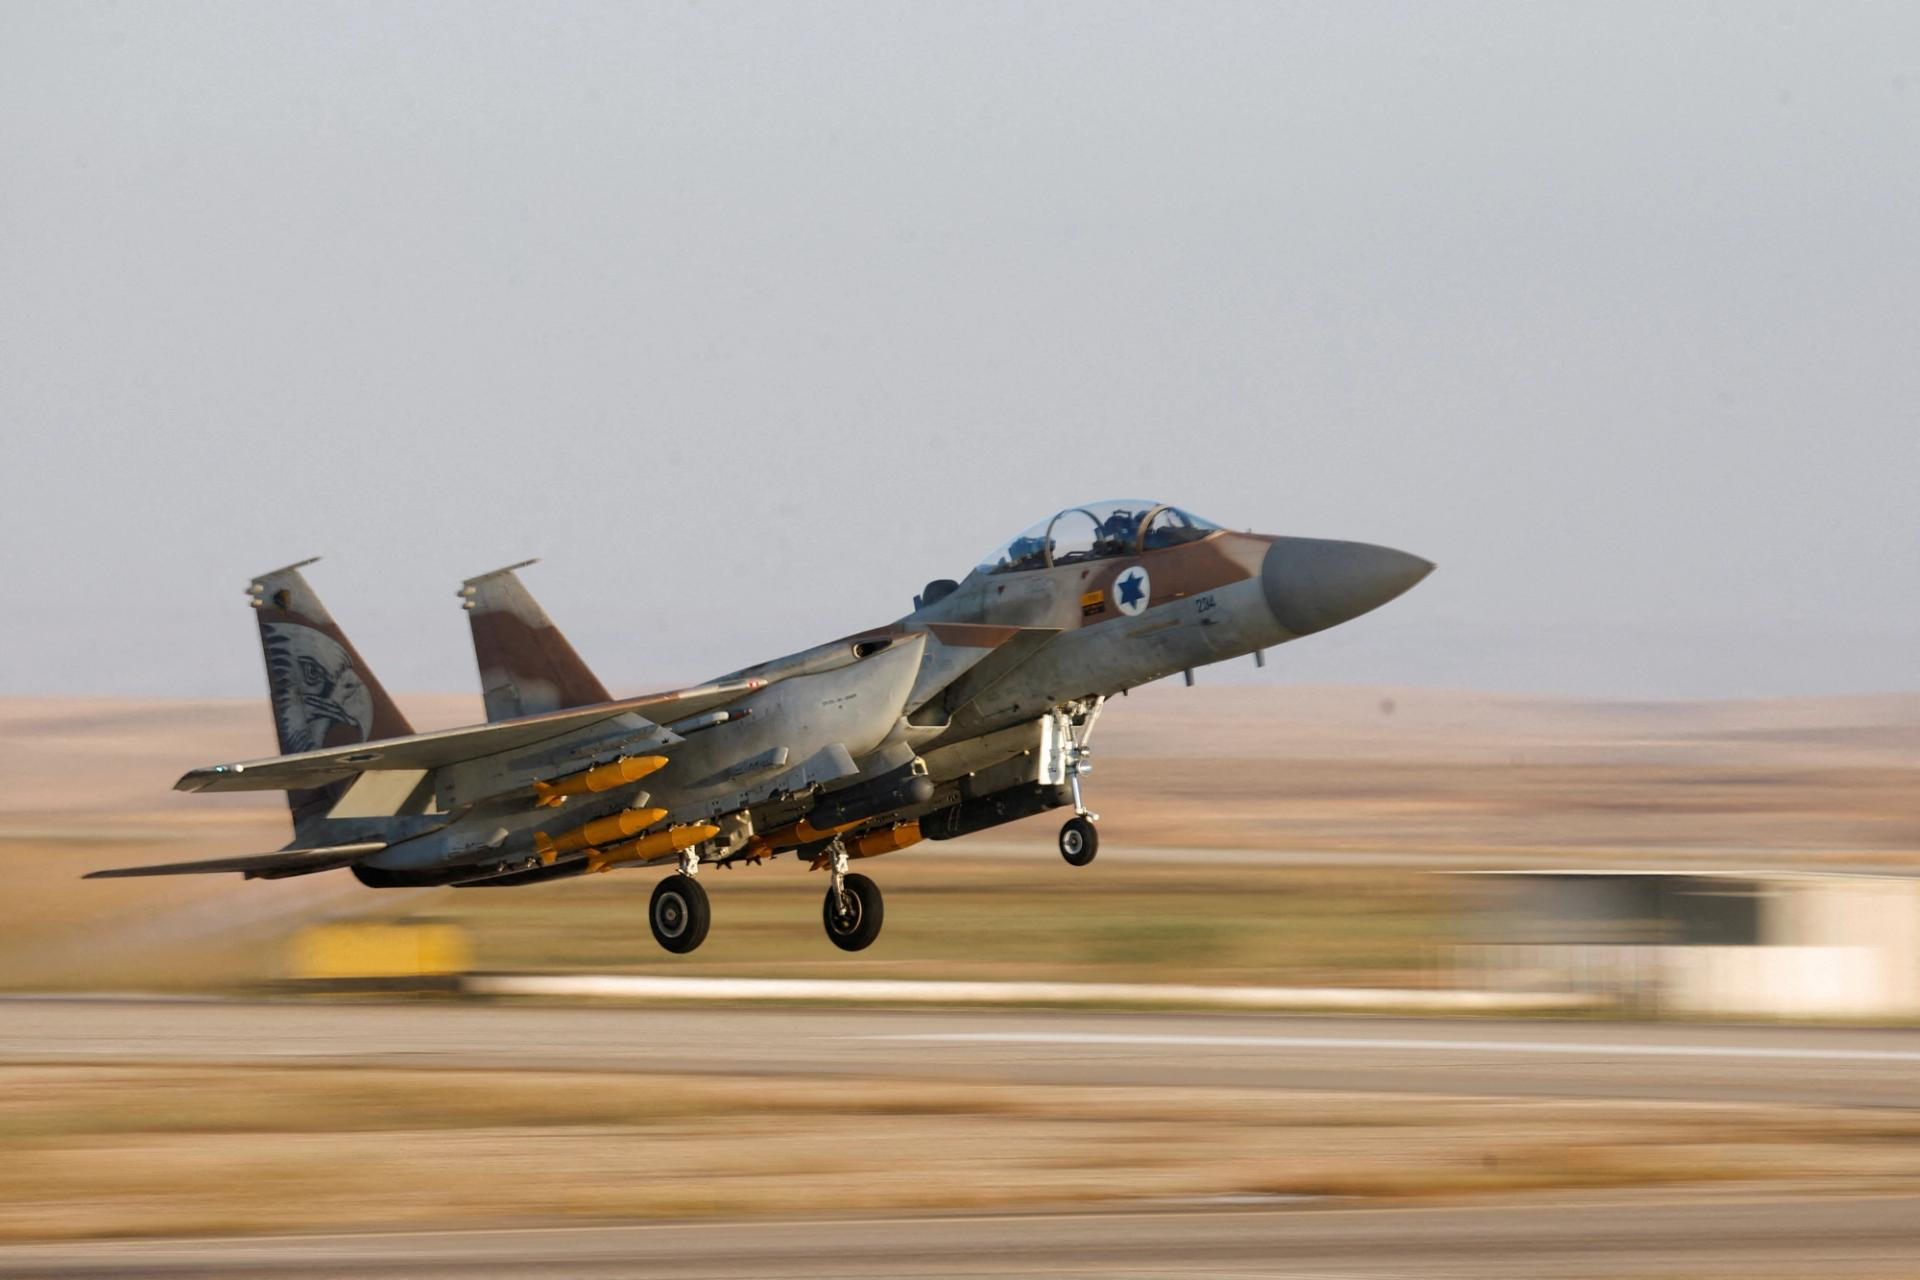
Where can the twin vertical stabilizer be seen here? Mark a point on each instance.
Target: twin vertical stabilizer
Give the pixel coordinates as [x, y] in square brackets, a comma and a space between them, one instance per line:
[526, 666]
[323, 692]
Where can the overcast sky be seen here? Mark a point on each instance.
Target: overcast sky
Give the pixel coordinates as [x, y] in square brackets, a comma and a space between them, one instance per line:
[752, 318]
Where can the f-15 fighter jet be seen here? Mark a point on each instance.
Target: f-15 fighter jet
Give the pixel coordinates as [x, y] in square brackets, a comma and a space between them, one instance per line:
[973, 710]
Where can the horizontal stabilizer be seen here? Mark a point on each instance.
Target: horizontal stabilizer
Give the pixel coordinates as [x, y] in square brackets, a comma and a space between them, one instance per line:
[255, 866]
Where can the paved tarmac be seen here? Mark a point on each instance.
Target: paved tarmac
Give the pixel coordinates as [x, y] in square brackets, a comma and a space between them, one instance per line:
[1671, 1233]
[1471, 1056]
[1632, 1236]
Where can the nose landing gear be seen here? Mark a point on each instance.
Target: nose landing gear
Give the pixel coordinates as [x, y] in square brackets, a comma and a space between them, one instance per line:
[1079, 841]
[1071, 757]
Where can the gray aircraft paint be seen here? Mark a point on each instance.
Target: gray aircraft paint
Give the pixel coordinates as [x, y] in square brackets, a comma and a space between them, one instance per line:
[822, 721]
[979, 690]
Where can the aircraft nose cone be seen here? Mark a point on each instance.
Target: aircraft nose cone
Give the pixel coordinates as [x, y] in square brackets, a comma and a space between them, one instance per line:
[1312, 583]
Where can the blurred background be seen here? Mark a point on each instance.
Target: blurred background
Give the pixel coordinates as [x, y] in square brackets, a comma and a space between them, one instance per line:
[753, 320]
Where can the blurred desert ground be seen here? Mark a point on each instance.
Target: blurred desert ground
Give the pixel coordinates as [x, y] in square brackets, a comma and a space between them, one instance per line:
[133, 1149]
[1251, 833]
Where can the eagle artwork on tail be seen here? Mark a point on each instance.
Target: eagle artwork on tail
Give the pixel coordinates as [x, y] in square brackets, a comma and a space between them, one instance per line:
[315, 687]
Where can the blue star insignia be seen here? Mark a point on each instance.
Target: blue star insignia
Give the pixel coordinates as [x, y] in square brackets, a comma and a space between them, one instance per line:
[1130, 585]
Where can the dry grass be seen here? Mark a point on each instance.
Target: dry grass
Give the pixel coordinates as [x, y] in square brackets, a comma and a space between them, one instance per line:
[131, 1150]
[1002, 919]
[948, 916]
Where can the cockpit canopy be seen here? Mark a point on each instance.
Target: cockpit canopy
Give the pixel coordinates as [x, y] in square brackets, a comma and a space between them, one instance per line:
[1097, 531]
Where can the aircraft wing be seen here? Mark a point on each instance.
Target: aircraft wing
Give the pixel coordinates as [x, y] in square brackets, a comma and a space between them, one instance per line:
[452, 746]
[260, 866]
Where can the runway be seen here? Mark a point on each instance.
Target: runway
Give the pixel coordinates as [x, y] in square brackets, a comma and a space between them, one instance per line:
[1642, 1235]
[1688, 1230]
[1461, 1056]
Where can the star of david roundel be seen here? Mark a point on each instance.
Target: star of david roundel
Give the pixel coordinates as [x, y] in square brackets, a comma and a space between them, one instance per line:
[1132, 590]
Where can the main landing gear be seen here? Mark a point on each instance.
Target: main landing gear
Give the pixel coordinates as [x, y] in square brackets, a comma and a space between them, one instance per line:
[680, 914]
[853, 909]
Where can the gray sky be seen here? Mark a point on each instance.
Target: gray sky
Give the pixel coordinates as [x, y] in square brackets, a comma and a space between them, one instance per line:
[752, 318]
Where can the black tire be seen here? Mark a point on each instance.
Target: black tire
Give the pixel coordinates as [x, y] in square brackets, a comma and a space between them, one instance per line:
[856, 927]
[679, 914]
[1079, 841]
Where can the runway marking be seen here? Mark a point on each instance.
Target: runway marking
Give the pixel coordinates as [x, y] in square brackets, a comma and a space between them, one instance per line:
[1574, 1047]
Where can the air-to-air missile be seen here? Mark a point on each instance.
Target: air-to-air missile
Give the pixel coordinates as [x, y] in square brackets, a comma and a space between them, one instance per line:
[973, 710]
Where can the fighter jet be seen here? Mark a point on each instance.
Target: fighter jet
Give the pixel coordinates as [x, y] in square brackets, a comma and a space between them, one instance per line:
[974, 710]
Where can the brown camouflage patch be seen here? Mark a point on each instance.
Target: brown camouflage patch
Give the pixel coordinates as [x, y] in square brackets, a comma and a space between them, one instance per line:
[1206, 564]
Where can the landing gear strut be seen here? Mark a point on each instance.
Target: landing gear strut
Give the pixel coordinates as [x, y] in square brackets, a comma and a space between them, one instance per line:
[679, 914]
[853, 909]
[1079, 840]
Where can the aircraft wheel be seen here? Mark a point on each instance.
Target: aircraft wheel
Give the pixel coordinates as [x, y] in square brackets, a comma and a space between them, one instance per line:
[679, 914]
[854, 926]
[1079, 841]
